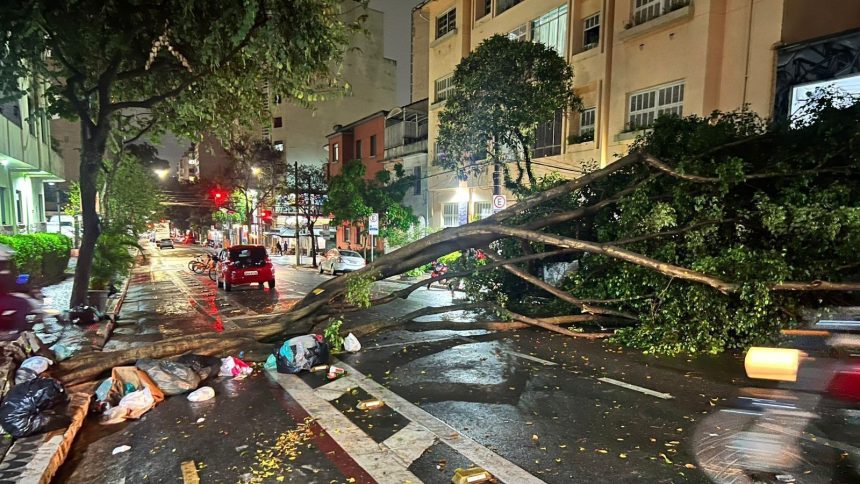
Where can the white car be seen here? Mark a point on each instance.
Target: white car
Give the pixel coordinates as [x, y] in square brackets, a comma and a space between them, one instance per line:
[339, 260]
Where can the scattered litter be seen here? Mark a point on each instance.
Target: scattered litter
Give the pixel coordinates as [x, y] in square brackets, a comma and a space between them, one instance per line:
[301, 353]
[241, 448]
[472, 475]
[121, 449]
[201, 420]
[31, 368]
[201, 394]
[351, 344]
[334, 372]
[189, 472]
[132, 393]
[61, 352]
[171, 377]
[319, 368]
[271, 363]
[232, 366]
[370, 404]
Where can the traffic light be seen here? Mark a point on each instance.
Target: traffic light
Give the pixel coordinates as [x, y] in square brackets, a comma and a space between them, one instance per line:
[266, 215]
[219, 196]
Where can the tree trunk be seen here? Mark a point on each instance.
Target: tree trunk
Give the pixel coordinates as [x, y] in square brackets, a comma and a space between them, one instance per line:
[313, 242]
[91, 157]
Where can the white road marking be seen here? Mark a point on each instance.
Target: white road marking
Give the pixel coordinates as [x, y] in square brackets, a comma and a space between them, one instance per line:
[503, 469]
[333, 390]
[532, 358]
[410, 442]
[382, 463]
[646, 391]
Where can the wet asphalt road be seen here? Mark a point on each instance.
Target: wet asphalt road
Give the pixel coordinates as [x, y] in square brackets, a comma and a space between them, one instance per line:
[532, 397]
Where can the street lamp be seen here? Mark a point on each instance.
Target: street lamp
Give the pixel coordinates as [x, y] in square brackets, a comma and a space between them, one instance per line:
[256, 170]
[162, 172]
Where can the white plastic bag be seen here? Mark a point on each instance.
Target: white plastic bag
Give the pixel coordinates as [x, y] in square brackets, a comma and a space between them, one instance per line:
[231, 366]
[351, 344]
[31, 368]
[201, 394]
[139, 400]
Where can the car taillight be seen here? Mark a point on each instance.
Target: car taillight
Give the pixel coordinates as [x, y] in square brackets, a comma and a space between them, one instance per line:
[845, 384]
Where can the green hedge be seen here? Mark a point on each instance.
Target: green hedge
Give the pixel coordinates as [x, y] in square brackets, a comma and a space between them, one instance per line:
[42, 256]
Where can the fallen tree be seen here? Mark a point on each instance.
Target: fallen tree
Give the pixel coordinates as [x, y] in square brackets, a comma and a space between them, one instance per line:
[709, 234]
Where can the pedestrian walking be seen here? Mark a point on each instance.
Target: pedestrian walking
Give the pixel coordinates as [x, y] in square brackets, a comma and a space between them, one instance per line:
[279, 247]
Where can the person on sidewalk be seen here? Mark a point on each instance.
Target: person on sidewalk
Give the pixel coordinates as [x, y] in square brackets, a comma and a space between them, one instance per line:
[279, 247]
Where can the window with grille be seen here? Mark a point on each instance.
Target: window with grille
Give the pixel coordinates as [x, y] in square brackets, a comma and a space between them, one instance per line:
[548, 137]
[645, 10]
[519, 33]
[483, 8]
[590, 31]
[444, 87]
[551, 29]
[278, 122]
[646, 106]
[416, 174]
[446, 22]
[586, 121]
[502, 5]
[450, 214]
[482, 210]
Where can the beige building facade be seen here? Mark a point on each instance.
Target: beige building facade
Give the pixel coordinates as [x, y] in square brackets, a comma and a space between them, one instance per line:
[301, 132]
[633, 60]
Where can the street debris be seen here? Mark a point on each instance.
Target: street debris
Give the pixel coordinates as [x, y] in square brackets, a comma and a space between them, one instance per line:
[335, 372]
[31, 368]
[370, 404]
[171, 377]
[201, 394]
[23, 411]
[200, 420]
[277, 459]
[121, 449]
[301, 353]
[189, 472]
[232, 366]
[351, 344]
[131, 394]
[319, 368]
[472, 475]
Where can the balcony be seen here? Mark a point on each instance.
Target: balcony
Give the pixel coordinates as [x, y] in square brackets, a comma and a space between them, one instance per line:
[26, 152]
[406, 130]
[654, 15]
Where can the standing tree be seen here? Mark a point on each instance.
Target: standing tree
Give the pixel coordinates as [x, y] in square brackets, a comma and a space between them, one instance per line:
[352, 198]
[191, 66]
[502, 91]
[309, 182]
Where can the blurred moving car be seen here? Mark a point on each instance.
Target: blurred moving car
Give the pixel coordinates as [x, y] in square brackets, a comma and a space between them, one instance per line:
[165, 244]
[244, 264]
[340, 260]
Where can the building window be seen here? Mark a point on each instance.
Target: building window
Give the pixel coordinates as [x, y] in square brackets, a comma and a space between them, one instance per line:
[279, 146]
[548, 137]
[502, 5]
[482, 210]
[335, 153]
[416, 174]
[373, 145]
[358, 153]
[450, 214]
[278, 122]
[645, 10]
[646, 106]
[590, 31]
[347, 233]
[19, 206]
[444, 87]
[520, 33]
[31, 114]
[586, 122]
[356, 235]
[446, 23]
[551, 29]
[483, 8]
[40, 215]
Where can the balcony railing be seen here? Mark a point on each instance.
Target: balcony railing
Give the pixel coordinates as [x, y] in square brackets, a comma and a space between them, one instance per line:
[404, 133]
[404, 150]
[646, 10]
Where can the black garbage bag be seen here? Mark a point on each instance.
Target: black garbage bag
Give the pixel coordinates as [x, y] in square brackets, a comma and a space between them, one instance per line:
[25, 409]
[82, 314]
[307, 351]
[205, 366]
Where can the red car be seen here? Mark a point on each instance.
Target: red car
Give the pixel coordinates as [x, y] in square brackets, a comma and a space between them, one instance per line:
[244, 264]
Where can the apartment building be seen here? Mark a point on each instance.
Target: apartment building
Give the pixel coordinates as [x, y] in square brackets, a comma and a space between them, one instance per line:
[406, 145]
[28, 163]
[372, 77]
[362, 140]
[633, 60]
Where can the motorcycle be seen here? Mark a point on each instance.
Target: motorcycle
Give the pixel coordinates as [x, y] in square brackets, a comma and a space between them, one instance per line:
[804, 430]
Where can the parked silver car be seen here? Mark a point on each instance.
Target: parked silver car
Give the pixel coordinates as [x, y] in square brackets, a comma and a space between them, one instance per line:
[340, 260]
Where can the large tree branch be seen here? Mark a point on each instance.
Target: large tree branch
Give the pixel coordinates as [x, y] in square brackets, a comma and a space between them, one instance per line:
[663, 167]
[669, 233]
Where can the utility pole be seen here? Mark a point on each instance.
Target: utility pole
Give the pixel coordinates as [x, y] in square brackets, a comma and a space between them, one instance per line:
[298, 245]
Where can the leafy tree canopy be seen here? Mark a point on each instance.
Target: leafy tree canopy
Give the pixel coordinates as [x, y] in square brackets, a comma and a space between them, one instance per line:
[501, 92]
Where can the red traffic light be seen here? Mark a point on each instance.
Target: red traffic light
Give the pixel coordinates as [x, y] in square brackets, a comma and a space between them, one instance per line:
[266, 215]
[219, 196]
